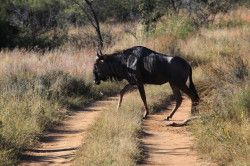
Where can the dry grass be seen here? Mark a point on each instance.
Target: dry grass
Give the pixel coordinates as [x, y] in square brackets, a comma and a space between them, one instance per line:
[225, 117]
[114, 138]
[36, 91]
[75, 62]
[225, 113]
[221, 54]
[32, 90]
[208, 45]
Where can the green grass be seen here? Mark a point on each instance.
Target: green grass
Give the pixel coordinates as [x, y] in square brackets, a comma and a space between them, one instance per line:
[23, 118]
[178, 26]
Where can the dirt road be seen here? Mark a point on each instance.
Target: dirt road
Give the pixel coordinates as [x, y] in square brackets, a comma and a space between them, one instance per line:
[59, 145]
[165, 145]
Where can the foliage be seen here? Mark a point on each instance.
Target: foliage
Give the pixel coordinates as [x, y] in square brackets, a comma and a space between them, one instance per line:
[44, 23]
[31, 23]
[151, 11]
[117, 10]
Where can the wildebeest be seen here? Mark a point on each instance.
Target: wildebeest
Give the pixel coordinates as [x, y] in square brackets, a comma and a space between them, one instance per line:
[140, 65]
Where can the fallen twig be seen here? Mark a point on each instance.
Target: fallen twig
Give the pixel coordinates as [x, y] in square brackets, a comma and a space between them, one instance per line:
[183, 123]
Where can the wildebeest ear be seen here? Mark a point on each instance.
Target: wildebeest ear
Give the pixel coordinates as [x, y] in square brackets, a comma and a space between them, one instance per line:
[99, 54]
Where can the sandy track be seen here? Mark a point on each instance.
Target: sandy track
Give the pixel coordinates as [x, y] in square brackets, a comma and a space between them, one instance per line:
[59, 145]
[165, 145]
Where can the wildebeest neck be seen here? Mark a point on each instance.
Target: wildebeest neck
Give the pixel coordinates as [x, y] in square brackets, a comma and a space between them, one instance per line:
[115, 69]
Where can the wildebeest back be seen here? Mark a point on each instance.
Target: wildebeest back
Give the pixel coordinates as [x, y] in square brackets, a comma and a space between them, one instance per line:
[154, 68]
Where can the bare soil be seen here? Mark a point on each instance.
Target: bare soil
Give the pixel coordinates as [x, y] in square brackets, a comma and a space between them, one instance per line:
[167, 145]
[59, 145]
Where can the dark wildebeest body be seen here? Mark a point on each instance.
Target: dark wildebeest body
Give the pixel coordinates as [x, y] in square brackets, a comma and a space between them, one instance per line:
[140, 65]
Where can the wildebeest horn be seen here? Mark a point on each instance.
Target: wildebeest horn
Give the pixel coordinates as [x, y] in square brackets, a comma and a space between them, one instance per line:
[99, 53]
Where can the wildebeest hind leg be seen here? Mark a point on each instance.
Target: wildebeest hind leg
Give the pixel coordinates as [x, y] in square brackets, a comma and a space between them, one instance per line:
[143, 97]
[178, 99]
[127, 88]
[193, 95]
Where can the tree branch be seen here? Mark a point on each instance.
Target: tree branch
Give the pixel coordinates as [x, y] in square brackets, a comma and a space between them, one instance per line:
[93, 21]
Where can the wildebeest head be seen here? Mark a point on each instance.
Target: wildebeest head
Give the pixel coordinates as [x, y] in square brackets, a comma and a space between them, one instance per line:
[99, 70]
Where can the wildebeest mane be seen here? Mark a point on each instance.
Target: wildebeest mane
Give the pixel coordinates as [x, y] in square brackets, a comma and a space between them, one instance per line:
[114, 67]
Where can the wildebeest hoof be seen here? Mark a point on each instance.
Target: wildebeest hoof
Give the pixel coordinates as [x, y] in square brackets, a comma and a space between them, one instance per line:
[168, 118]
[145, 116]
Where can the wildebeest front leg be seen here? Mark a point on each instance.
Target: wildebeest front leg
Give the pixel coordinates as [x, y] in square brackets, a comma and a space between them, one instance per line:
[143, 97]
[178, 99]
[122, 92]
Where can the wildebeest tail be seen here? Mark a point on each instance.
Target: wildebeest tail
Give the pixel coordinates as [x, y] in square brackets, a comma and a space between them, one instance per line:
[192, 87]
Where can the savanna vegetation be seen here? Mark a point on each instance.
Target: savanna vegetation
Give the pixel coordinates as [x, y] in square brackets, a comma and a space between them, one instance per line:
[46, 61]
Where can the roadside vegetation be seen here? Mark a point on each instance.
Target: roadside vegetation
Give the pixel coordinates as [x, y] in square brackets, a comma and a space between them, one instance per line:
[37, 91]
[41, 82]
[221, 54]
